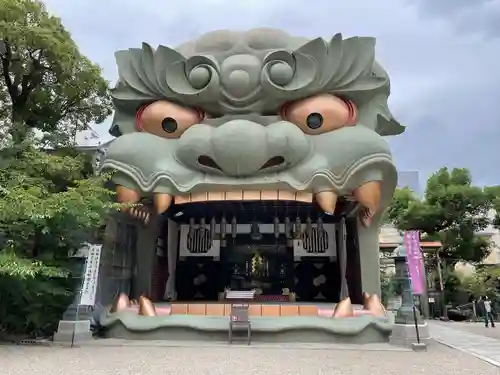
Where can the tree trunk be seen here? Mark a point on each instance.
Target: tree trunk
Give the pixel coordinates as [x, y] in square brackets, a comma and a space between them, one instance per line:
[18, 129]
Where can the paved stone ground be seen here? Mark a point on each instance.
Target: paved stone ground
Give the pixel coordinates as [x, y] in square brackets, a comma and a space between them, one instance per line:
[221, 359]
[469, 338]
[478, 329]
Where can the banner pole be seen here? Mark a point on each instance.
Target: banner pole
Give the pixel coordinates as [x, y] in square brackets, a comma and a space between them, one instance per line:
[413, 261]
[417, 331]
[77, 313]
[75, 325]
[414, 309]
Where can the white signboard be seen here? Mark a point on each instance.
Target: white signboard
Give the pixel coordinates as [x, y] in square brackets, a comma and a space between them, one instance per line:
[89, 288]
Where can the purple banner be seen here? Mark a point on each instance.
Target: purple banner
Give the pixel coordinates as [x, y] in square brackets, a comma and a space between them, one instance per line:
[415, 261]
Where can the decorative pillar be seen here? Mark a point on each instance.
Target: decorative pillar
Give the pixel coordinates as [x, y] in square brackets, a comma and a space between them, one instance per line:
[369, 256]
[172, 250]
[342, 256]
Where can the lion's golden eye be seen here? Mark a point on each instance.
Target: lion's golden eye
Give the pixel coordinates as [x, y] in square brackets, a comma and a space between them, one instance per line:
[320, 114]
[166, 119]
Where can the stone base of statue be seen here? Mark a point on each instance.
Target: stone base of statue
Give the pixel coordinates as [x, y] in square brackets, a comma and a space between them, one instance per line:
[419, 347]
[73, 332]
[404, 332]
[405, 335]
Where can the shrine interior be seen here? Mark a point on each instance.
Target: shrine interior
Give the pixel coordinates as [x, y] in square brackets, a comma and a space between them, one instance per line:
[285, 250]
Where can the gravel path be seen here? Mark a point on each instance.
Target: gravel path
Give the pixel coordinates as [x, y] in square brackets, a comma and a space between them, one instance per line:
[203, 360]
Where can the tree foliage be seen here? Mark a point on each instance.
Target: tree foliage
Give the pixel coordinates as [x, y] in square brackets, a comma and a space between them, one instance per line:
[484, 282]
[452, 211]
[493, 193]
[50, 203]
[50, 200]
[33, 296]
[46, 83]
[390, 286]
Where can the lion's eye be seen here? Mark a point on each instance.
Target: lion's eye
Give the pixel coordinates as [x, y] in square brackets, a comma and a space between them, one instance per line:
[314, 120]
[321, 113]
[166, 119]
[169, 124]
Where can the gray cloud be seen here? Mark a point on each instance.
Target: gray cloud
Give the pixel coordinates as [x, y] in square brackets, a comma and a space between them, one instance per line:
[473, 16]
[443, 67]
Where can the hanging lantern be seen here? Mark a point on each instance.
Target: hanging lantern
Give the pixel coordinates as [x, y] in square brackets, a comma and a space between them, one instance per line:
[234, 227]
[213, 223]
[191, 227]
[319, 225]
[309, 226]
[276, 227]
[223, 225]
[298, 228]
[288, 228]
[288, 232]
[255, 232]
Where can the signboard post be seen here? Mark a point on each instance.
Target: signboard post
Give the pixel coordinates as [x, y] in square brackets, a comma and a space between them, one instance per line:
[74, 327]
[89, 285]
[415, 264]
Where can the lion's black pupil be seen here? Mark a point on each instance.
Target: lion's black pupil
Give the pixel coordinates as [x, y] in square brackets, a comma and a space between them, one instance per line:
[169, 124]
[314, 120]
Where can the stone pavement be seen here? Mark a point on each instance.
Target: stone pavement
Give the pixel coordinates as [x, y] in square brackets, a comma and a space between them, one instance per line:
[479, 329]
[221, 359]
[471, 338]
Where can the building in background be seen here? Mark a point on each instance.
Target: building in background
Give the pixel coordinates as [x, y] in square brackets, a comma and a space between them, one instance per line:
[88, 138]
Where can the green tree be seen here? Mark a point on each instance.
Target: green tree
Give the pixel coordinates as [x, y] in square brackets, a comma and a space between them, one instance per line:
[494, 194]
[46, 83]
[50, 203]
[50, 200]
[390, 286]
[452, 211]
[33, 296]
[484, 282]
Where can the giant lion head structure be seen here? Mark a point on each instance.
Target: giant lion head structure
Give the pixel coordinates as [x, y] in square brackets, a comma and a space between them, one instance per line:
[254, 111]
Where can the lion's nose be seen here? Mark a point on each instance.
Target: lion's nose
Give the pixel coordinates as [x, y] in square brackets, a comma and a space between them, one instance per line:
[240, 147]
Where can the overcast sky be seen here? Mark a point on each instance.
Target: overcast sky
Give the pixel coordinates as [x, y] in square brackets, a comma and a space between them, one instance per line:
[441, 59]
